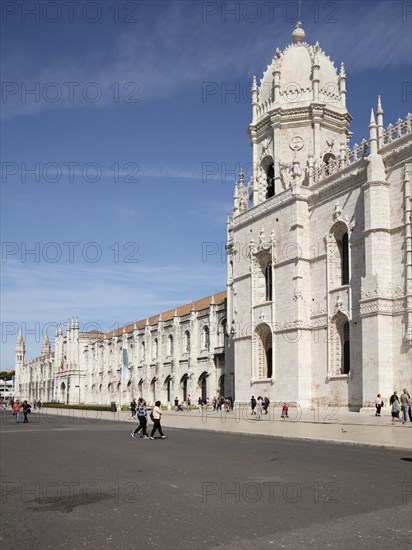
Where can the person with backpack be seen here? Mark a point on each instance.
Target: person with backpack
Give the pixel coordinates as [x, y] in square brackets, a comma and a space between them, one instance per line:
[141, 416]
[156, 415]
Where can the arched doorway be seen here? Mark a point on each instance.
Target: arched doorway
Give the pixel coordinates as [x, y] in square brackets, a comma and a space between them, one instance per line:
[183, 386]
[153, 390]
[63, 392]
[168, 389]
[202, 382]
[222, 386]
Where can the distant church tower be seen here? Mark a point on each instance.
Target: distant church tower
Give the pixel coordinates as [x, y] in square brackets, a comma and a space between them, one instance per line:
[20, 351]
[46, 347]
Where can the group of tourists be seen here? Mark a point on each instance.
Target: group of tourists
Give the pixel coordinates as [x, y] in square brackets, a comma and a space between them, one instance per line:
[402, 404]
[217, 404]
[260, 405]
[139, 412]
[19, 408]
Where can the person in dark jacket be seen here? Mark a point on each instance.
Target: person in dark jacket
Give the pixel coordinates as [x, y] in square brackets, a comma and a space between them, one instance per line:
[253, 404]
[26, 411]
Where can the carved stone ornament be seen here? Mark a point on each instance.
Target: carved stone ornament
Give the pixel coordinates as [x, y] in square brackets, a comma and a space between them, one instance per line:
[339, 304]
[292, 173]
[266, 148]
[296, 143]
[338, 216]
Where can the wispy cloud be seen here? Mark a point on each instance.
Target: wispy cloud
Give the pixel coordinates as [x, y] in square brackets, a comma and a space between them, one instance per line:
[178, 52]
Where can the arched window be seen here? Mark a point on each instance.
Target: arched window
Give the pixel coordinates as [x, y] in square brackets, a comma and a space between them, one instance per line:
[263, 367]
[155, 348]
[187, 342]
[222, 332]
[206, 338]
[170, 345]
[143, 348]
[346, 349]
[339, 358]
[338, 256]
[268, 282]
[270, 182]
[345, 259]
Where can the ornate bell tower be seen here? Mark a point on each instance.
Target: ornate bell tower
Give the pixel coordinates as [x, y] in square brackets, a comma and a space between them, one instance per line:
[299, 118]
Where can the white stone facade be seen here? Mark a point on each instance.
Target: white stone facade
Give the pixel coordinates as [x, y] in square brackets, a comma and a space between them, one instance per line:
[319, 245]
[174, 354]
[319, 279]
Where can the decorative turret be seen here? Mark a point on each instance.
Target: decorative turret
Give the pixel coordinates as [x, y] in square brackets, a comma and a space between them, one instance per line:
[20, 349]
[300, 99]
[46, 348]
[376, 167]
[255, 94]
[342, 85]
[379, 116]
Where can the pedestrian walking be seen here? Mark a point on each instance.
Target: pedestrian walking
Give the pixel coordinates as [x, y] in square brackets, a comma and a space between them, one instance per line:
[259, 407]
[253, 403]
[142, 417]
[405, 405]
[176, 404]
[133, 407]
[285, 411]
[26, 411]
[156, 416]
[393, 397]
[189, 402]
[378, 404]
[266, 404]
[396, 409]
[200, 404]
[17, 410]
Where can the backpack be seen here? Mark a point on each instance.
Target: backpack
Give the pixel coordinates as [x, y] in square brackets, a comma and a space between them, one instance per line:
[151, 416]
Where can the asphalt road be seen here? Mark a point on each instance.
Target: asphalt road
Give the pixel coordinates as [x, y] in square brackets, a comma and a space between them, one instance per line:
[73, 483]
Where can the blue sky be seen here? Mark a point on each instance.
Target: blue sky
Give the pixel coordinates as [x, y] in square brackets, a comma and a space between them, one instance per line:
[119, 132]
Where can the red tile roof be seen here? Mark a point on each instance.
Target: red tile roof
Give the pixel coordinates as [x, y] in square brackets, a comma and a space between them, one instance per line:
[199, 305]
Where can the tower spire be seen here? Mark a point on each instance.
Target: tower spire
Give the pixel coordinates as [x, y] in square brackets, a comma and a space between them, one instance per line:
[46, 348]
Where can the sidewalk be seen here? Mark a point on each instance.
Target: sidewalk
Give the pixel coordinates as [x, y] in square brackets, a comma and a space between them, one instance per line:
[327, 425]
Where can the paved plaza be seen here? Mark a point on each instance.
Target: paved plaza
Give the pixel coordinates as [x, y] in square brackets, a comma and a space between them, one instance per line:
[73, 482]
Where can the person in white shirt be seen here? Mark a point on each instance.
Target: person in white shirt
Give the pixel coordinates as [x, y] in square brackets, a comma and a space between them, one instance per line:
[156, 416]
